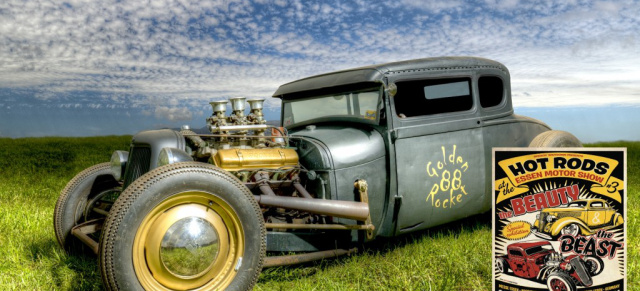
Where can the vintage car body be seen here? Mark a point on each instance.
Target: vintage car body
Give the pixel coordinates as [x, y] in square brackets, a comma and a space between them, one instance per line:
[374, 151]
[539, 262]
[583, 216]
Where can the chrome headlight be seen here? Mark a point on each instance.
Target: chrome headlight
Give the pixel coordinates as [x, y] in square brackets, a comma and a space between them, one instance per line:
[118, 163]
[568, 267]
[537, 216]
[551, 218]
[172, 155]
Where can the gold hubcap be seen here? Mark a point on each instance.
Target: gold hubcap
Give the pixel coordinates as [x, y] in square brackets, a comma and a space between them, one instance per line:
[191, 240]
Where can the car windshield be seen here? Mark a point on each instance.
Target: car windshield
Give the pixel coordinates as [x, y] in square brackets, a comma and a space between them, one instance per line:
[538, 249]
[577, 204]
[359, 105]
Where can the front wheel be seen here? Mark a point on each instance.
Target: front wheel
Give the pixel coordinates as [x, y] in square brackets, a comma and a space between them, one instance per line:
[183, 226]
[594, 265]
[88, 190]
[571, 229]
[560, 282]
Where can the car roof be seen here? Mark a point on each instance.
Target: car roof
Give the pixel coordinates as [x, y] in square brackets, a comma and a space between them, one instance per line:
[589, 200]
[370, 75]
[526, 245]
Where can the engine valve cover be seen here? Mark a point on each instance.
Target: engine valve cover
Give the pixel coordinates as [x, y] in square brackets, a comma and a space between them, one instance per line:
[240, 159]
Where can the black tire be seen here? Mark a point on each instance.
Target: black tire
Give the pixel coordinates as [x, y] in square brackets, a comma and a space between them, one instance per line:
[617, 220]
[72, 203]
[571, 229]
[146, 213]
[502, 266]
[559, 281]
[594, 265]
[555, 138]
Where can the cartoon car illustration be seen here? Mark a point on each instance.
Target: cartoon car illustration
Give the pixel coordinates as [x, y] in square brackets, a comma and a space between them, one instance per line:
[583, 216]
[539, 262]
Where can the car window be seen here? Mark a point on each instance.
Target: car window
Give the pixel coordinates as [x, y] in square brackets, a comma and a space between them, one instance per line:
[577, 204]
[491, 91]
[358, 105]
[432, 96]
[515, 253]
[538, 249]
[597, 204]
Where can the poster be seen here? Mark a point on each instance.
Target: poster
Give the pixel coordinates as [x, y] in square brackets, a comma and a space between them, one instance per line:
[559, 219]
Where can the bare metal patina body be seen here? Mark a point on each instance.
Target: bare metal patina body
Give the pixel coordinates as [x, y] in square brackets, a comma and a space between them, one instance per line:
[363, 153]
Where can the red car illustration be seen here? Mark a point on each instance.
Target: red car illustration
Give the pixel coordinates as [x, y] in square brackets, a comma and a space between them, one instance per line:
[538, 261]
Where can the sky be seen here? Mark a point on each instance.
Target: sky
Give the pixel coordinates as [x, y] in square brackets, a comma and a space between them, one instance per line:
[84, 67]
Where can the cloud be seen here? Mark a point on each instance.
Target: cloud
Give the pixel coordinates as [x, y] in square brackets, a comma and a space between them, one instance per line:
[173, 114]
[166, 56]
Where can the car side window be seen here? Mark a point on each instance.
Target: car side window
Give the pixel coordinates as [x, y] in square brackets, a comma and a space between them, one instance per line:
[597, 205]
[491, 91]
[432, 96]
[515, 253]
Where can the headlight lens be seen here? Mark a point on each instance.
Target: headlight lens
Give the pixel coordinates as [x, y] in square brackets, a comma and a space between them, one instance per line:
[537, 216]
[172, 155]
[118, 163]
[551, 218]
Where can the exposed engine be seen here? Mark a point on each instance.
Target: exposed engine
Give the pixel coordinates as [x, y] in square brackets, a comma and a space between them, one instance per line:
[238, 143]
[255, 153]
[553, 259]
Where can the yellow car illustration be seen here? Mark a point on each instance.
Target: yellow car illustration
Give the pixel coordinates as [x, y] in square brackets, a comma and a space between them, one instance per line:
[583, 216]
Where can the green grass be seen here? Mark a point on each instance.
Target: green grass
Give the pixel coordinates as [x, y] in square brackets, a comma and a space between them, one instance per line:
[456, 256]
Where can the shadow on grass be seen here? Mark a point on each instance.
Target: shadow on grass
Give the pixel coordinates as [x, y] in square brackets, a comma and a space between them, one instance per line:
[379, 246]
[452, 229]
[68, 272]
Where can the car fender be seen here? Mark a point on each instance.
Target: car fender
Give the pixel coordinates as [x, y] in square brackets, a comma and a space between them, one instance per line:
[617, 219]
[562, 222]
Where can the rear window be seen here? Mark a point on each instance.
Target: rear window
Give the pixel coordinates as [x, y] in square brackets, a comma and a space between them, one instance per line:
[491, 91]
[515, 253]
[435, 96]
[539, 249]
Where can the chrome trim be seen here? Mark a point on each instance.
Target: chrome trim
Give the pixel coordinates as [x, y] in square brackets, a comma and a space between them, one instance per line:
[172, 155]
[238, 127]
[189, 247]
[118, 163]
[541, 235]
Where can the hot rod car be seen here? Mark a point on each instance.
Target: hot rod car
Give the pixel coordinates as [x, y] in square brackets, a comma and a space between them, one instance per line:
[583, 216]
[539, 262]
[370, 152]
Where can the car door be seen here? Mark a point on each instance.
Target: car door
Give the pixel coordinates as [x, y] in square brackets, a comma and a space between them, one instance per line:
[518, 263]
[439, 151]
[597, 214]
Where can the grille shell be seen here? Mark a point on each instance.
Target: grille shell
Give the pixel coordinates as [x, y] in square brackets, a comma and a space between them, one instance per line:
[139, 163]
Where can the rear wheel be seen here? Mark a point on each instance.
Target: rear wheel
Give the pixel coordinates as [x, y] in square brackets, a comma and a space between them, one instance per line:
[502, 266]
[183, 226]
[594, 265]
[560, 282]
[555, 138]
[617, 220]
[79, 199]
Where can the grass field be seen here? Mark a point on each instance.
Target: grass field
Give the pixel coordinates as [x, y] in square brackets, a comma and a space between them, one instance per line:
[452, 257]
